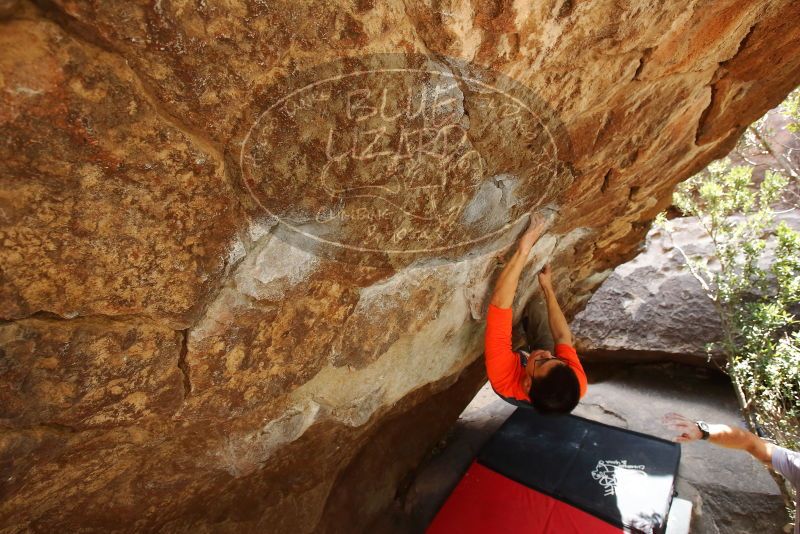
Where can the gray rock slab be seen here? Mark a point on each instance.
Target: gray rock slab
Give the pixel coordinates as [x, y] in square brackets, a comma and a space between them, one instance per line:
[652, 308]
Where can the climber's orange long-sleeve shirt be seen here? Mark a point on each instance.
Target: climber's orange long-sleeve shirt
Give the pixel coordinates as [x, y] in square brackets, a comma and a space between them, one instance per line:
[502, 364]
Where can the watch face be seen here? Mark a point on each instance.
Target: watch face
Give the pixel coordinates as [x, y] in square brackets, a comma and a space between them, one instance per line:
[703, 426]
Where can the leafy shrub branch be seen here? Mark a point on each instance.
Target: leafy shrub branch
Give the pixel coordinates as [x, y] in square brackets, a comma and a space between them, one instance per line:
[755, 288]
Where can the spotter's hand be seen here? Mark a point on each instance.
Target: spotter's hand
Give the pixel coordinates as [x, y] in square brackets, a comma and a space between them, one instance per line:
[686, 428]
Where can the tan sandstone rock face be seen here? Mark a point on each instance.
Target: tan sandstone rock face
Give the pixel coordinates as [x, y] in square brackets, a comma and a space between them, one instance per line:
[247, 246]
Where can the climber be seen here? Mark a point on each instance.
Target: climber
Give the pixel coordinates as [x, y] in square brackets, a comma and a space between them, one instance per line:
[550, 378]
[783, 461]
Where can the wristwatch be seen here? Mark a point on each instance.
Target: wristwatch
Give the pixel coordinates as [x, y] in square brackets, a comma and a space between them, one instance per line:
[703, 426]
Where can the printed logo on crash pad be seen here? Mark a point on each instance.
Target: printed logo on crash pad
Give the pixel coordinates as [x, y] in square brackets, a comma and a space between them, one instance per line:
[607, 472]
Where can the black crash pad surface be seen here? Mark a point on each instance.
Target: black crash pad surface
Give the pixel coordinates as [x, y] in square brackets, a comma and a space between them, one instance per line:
[623, 477]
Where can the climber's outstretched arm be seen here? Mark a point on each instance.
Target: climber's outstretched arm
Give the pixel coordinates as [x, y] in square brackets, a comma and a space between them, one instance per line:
[502, 365]
[506, 285]
[722, 435]
[559, 327]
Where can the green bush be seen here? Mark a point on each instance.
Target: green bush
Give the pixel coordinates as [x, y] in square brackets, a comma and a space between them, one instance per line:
[755, 289]
[791, 109]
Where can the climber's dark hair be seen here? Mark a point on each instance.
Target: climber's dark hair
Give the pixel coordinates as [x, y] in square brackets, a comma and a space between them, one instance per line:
[558, 392]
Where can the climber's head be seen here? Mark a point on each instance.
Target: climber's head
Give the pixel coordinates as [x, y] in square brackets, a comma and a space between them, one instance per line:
[552, 385]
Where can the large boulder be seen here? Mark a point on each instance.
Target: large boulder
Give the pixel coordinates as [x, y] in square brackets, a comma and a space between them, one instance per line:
[653, 308]
[242, 280]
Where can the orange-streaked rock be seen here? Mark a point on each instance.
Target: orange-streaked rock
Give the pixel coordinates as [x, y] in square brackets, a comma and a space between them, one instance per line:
[267, 383]
[107, 207]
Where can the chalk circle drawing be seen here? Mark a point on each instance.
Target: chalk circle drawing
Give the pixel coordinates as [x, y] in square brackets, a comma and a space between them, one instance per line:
[606, 471]
[402, 155]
